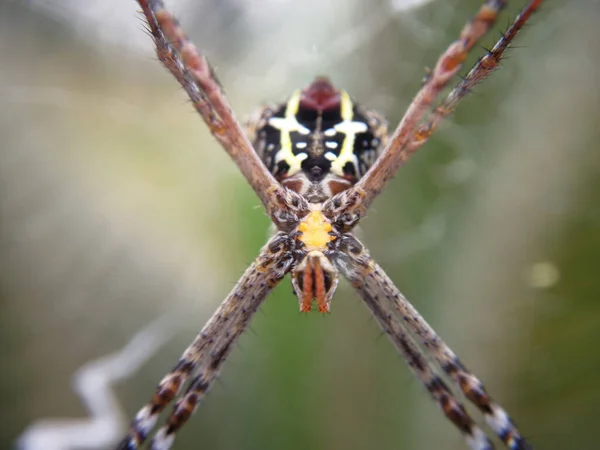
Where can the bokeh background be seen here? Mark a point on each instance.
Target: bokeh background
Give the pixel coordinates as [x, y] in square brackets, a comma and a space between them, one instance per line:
[118, 209]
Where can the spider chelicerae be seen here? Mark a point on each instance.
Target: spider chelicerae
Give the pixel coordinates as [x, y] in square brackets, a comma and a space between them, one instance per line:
[317, 162]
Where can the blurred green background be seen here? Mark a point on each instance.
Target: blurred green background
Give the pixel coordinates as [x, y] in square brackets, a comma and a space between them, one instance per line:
[117, 207]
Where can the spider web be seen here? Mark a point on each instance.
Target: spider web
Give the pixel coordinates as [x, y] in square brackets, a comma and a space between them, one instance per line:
[106, 223]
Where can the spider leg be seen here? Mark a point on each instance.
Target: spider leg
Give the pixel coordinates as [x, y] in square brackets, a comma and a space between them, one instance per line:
[209, 350]
[349, 206]
[478, 73]
[197, 77]
[441, 394]
[375, 287]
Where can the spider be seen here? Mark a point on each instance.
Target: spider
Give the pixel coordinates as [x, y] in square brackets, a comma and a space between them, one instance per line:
[317, 162]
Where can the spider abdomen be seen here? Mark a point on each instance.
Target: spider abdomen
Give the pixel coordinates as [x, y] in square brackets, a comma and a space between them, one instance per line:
[319, 142]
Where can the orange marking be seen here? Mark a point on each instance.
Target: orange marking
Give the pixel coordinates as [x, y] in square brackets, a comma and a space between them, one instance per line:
[307, 288]
[454, 60]
[162, 398]
[315, 230]
[320, 287]
[165, 22]
[313, 286]
[487, 14]
[339, 185]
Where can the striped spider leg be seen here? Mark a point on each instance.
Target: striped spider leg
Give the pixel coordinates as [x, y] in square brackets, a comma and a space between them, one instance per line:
[196, 76]
[207, 353]
[352, 204]
[388, 304]
[316, 162]
[354, 262]
[478, 73]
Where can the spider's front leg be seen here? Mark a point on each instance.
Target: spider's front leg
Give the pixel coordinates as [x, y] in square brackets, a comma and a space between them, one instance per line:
[480, 71]
[396, 315]
[206, 355]
[349, 206]
[193, 71]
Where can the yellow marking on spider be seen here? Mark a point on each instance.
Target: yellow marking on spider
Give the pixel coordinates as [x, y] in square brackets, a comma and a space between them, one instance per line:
[350, 129]
[286, 125]
[315, 230]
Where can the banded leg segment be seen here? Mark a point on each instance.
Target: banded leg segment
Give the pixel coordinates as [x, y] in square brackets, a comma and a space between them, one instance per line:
[346, 208]
[441, 394]
[197, 77]
[447, 66]
[371, 281]
[480, 71]
[212, 345]
[185, 407]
